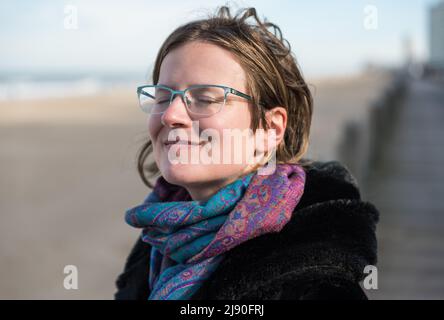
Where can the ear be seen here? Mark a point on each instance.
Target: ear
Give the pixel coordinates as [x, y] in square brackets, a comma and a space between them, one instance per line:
[277, 120]
[267, 141]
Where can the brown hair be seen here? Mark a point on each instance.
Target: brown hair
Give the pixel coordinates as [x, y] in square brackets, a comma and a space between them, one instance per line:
[273, 76]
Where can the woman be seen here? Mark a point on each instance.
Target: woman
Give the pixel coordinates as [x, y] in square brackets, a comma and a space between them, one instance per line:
[269, 226]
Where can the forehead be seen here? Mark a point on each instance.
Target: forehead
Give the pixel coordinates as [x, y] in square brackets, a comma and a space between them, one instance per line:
[201, 63]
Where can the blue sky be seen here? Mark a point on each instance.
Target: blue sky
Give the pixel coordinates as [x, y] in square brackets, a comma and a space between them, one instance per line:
[327, 37]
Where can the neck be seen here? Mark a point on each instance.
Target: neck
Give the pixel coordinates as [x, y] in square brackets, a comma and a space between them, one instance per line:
[204, 191]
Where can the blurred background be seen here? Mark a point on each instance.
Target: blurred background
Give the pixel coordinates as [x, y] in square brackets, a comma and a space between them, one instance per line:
[70, 128]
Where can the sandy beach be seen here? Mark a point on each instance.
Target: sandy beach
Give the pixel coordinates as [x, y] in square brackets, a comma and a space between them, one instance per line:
[68, 174]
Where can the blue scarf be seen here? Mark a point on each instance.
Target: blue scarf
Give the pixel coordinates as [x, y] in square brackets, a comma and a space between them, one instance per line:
[188, 238]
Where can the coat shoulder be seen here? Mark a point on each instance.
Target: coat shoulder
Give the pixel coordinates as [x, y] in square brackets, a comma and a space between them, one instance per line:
[328, 181]
[132, 283]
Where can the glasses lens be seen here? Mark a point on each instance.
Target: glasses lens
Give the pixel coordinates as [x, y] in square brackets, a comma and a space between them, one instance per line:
[205, 100]
[154, 100]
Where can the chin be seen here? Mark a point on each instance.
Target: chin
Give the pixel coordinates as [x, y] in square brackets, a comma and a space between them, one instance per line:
[182, 174]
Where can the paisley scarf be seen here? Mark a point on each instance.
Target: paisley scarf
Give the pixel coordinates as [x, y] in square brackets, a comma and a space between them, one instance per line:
[189, 237]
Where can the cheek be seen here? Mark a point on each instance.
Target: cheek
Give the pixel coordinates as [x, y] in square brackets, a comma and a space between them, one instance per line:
[238, 117]
[239, 121]
[154, 127]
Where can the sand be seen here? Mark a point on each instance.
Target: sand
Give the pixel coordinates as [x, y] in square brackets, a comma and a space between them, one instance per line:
[68, 174]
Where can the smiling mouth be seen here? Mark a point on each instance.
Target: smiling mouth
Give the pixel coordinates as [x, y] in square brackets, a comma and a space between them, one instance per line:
[182, 142]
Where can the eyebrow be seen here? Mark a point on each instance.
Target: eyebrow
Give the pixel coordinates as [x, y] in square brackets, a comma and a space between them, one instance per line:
[174, 87]
[166, 85]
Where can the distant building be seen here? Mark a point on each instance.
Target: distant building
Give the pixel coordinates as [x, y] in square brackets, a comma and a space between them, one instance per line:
[436, 32]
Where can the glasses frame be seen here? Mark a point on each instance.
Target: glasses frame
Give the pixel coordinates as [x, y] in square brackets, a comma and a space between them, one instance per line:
[227, 90]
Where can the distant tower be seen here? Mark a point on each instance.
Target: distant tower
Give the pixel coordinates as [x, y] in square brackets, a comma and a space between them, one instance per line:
[436, 40]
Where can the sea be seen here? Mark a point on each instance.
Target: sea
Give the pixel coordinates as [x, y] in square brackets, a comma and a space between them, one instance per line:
[37, 85]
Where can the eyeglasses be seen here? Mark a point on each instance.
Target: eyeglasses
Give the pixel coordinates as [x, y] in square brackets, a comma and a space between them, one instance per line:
[200, 100]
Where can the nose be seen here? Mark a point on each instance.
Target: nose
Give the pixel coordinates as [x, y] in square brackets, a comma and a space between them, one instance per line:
[176, 114]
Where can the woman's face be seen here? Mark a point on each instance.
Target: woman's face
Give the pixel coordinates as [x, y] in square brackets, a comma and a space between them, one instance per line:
[191, 64]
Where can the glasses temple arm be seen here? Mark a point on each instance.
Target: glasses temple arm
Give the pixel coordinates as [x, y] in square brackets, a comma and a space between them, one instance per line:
[240, 94]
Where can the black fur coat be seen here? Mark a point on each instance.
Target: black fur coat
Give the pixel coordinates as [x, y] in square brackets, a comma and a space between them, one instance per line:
[320, 254]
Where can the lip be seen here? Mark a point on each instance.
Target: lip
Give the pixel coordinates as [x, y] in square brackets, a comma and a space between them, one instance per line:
[182, 142]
